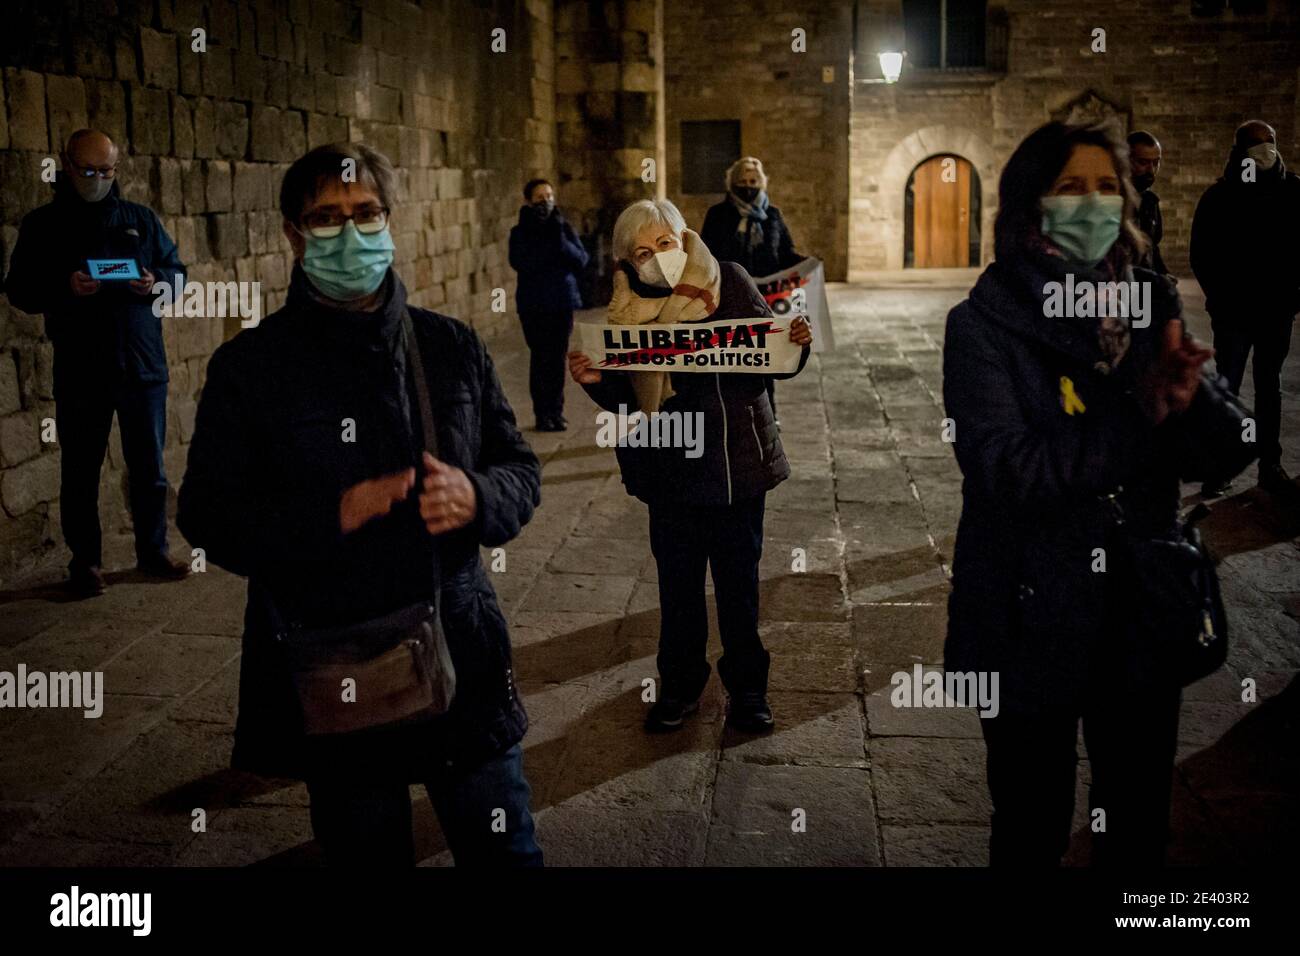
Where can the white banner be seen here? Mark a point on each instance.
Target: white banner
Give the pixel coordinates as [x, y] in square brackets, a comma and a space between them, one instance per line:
[801, 290]
[761, 346]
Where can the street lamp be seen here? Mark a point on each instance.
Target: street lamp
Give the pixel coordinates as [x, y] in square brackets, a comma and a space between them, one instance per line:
[891, 65]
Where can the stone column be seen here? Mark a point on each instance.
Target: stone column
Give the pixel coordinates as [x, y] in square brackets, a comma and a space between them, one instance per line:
[609, 119]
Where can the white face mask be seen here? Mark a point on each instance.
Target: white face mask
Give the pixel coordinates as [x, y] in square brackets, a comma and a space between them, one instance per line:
[91, 189]
[1264, 155]
[664, 270]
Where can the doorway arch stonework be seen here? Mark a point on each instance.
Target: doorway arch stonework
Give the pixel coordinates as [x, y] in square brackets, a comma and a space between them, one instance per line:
[885, 215]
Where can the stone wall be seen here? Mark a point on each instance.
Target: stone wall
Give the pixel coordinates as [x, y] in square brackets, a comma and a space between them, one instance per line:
[1189, 80]
[608, 99]
[732, 61]
[205, 138]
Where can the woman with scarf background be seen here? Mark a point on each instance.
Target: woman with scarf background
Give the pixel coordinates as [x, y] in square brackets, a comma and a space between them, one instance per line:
[705, 511]
[747, 229]
[548, 255]
[1051, 416]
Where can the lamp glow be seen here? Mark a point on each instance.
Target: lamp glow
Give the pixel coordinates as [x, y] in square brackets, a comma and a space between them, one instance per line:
[891, 65]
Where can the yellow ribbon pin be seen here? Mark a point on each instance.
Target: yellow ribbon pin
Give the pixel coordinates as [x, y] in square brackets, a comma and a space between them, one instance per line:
[1070, 399]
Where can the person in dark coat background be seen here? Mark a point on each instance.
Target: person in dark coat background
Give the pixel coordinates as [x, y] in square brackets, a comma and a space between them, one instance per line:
[1144, 163]
[332, 531]
[705, 511]
[547, 254]
[1246, 255]
[1051, 415]
[747, 229]
[108, 350]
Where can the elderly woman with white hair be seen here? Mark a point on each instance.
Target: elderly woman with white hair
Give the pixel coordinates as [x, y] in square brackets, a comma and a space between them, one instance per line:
[747, 229]
[705, 511]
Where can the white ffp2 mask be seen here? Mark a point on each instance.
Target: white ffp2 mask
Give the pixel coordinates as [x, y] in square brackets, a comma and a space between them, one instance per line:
[665, 269]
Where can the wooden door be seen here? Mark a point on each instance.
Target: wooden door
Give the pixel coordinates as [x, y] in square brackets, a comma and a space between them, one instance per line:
[941, 189]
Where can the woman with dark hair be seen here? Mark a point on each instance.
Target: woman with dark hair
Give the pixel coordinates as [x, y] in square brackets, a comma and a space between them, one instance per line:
[1062, 425]
[547, 254]
[358, 551]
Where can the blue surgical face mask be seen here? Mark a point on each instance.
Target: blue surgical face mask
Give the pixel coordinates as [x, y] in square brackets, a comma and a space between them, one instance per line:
[350, 265]
[1083, 227]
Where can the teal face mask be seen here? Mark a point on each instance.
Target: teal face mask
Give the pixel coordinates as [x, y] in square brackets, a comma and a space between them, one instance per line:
[350, 265]
[1084, 227]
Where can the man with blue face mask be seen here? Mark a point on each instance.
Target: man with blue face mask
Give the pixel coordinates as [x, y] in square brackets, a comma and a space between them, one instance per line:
[1244, 252]
[310, 472]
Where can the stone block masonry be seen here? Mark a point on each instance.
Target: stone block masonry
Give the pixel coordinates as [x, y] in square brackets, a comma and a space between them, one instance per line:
[205, 138]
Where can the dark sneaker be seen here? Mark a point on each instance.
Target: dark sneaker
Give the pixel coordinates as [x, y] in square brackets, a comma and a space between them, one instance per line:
[163, 566]
[85, 581]
[1274, 479]
[1219, 489]
[549, 425]
[750, 713]
[669, 714]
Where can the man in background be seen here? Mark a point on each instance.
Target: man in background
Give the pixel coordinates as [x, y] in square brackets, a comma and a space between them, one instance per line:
[108, 349]
[1144, 164]
[1245, 249]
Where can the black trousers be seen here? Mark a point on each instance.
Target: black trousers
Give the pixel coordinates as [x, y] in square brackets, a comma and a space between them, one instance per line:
[85, 419]
[1132, 742]
[1235, 334]
[483, 811]
[547, 335]
[684, 540]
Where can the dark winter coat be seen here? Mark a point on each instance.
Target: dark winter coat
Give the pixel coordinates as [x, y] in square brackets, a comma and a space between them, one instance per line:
[1245, 245]
[775, 253]
[1026, 601]
[742, 455]
[1151, 222]
[268, 467]
[548, 255]
[112, 334]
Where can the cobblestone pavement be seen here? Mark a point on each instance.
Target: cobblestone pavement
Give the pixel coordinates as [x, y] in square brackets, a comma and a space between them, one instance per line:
[873, 502]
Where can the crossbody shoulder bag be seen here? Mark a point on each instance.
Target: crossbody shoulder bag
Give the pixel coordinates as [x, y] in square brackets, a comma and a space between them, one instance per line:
[387, 671]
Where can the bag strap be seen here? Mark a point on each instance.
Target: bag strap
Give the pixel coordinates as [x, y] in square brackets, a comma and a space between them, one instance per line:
[415, 368]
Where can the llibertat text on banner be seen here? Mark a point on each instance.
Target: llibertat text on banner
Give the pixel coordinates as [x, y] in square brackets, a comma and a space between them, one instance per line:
[760, 345]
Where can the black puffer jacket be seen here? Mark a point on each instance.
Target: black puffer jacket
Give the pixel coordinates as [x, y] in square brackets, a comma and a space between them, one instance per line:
[1026, 601]
[267, 468]
[742, 455]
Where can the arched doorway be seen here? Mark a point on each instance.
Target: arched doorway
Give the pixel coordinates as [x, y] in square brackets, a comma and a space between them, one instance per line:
[941, 219]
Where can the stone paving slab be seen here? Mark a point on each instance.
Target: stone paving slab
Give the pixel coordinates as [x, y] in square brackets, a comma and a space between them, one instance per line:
[854, 575]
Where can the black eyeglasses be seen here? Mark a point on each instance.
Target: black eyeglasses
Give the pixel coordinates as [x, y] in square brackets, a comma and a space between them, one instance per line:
[90, 172]
[327, 223]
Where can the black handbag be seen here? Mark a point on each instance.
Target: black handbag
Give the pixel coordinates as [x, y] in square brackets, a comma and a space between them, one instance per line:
[1213, 449]
[387, 671]
[1179, 623]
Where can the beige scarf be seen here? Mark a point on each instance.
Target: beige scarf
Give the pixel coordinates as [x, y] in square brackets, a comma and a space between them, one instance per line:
[694, 298]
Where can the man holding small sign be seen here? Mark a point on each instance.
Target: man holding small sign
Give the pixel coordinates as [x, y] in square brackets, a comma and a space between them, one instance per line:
[88, 260]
